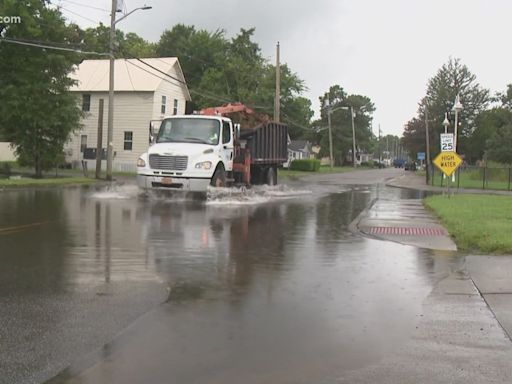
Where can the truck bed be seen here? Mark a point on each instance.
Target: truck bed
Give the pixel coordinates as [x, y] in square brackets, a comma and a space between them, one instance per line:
[267, 142]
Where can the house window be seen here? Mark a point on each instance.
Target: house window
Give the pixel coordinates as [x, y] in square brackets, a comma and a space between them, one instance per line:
[164, 103]
[175, 109]
[128, 140]
[83, 143]
[86, 102]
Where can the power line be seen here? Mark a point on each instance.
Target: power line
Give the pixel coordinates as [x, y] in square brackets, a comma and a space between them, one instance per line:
[85, 5]
[45, 46]
[196, 92]
[158, 70]
[287, 118]
[77, 14]
[170, 82]
[151, 73]
[200, 93]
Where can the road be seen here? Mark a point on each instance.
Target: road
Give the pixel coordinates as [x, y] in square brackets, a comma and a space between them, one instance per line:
[270, 286]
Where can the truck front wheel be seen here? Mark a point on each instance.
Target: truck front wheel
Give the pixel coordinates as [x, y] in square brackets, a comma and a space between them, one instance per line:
[271, 176]
[219, 177]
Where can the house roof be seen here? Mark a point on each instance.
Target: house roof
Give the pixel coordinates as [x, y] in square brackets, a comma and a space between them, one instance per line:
[129, 75]
[298, 145]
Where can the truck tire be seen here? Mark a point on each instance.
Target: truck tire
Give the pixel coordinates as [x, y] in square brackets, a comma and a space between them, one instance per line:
[271, 176]
[257, 175]
[219, 177]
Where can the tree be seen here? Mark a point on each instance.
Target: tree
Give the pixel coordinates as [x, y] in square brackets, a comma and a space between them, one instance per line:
[341, 122]
[127, 46]
[452, 79]
[414, 137]
[37, 111]
[198, 51]
[493, 133]
[219, 71]
[500, 143]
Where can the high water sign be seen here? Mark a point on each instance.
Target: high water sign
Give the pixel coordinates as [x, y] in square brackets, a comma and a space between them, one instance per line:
[448, 162]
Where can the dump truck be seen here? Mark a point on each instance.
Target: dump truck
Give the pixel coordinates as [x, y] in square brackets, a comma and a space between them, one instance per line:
[220, 147]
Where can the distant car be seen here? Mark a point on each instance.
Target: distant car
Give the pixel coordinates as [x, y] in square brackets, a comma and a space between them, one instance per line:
[411, 166]
[398, 163]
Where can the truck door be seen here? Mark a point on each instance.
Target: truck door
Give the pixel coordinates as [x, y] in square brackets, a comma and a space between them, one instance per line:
[227, 145]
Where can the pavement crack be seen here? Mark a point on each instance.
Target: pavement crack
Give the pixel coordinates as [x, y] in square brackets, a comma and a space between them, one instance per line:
[482, 295]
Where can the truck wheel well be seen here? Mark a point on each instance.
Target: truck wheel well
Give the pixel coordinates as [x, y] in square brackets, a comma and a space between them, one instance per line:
[220, 164]
[219, 176]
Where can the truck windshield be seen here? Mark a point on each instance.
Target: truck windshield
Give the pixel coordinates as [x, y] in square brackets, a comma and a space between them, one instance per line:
[191, 130]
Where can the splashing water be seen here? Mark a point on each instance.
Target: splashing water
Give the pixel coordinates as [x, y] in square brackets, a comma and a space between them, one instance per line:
[116, 192]
[251, 196]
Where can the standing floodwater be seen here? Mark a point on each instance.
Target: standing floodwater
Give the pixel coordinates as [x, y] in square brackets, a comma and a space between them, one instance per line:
[275, 292]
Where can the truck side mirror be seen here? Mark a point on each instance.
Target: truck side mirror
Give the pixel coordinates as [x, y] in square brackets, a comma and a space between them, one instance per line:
[237, 131]
[152, 133]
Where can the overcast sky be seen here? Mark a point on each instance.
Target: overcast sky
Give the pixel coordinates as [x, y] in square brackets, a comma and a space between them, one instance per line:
[386, 50]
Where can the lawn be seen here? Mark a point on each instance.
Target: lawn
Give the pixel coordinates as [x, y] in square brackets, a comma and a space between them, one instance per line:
[478, 223]
[495, 178]
[324, 169]
[45, 182]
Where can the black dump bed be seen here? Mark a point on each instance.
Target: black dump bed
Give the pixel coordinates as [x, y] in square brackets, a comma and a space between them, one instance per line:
[267, 142]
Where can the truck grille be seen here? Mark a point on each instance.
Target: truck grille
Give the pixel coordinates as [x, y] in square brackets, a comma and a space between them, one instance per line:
[172, 163]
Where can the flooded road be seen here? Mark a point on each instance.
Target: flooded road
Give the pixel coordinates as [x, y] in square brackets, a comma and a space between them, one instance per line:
[270, 287]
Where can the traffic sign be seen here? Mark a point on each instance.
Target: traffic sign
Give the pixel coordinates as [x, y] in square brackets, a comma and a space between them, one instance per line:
[448, 162]
[421, 155]
[447, 142]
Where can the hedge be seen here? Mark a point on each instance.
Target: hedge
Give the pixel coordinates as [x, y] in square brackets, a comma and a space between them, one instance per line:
[309, 165]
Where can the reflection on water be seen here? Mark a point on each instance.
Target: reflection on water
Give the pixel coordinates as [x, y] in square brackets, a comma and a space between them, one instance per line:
[285, 285]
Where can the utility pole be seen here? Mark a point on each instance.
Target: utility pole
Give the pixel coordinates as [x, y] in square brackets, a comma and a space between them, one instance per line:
[277, 101]
[379, 148]
[110, 127]
[99, 146]
[427, 140]
[110, 133]
[330, 133]
[353, 138]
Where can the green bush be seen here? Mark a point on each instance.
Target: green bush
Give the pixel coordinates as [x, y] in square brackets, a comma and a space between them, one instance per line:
[308, 165]
[6, 167]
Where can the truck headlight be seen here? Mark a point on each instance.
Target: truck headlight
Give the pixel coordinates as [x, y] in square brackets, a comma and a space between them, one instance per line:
[141, 163]
[204, 165]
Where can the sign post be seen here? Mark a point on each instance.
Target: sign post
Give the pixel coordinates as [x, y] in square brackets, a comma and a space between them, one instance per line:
[448, 162]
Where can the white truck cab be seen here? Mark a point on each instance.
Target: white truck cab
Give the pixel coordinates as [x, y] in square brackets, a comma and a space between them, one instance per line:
[189, 153]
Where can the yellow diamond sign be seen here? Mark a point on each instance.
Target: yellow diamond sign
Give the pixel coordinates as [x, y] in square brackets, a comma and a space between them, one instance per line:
[448, 162]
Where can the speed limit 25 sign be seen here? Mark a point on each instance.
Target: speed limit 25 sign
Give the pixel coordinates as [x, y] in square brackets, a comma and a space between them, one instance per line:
[447, 144]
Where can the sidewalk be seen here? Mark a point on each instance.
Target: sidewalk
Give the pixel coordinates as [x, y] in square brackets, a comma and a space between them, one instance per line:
[491, 275]
[407, 222]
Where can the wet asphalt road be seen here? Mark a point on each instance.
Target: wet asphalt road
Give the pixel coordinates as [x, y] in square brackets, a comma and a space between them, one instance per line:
[270, 287]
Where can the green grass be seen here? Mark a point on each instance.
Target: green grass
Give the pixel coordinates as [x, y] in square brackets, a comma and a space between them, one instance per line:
[124, 174]
[323, 169]
[478, 223]
[45, 182]
[495, 179]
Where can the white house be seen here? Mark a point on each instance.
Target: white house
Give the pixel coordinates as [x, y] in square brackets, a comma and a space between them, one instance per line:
[298, 149]
[6, 152]
[144, 94]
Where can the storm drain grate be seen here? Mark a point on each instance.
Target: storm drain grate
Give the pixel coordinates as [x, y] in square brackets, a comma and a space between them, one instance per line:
[407, 231]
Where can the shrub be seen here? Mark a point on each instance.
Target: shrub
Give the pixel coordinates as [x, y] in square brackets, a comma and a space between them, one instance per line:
[309, 165]
[6, 167]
